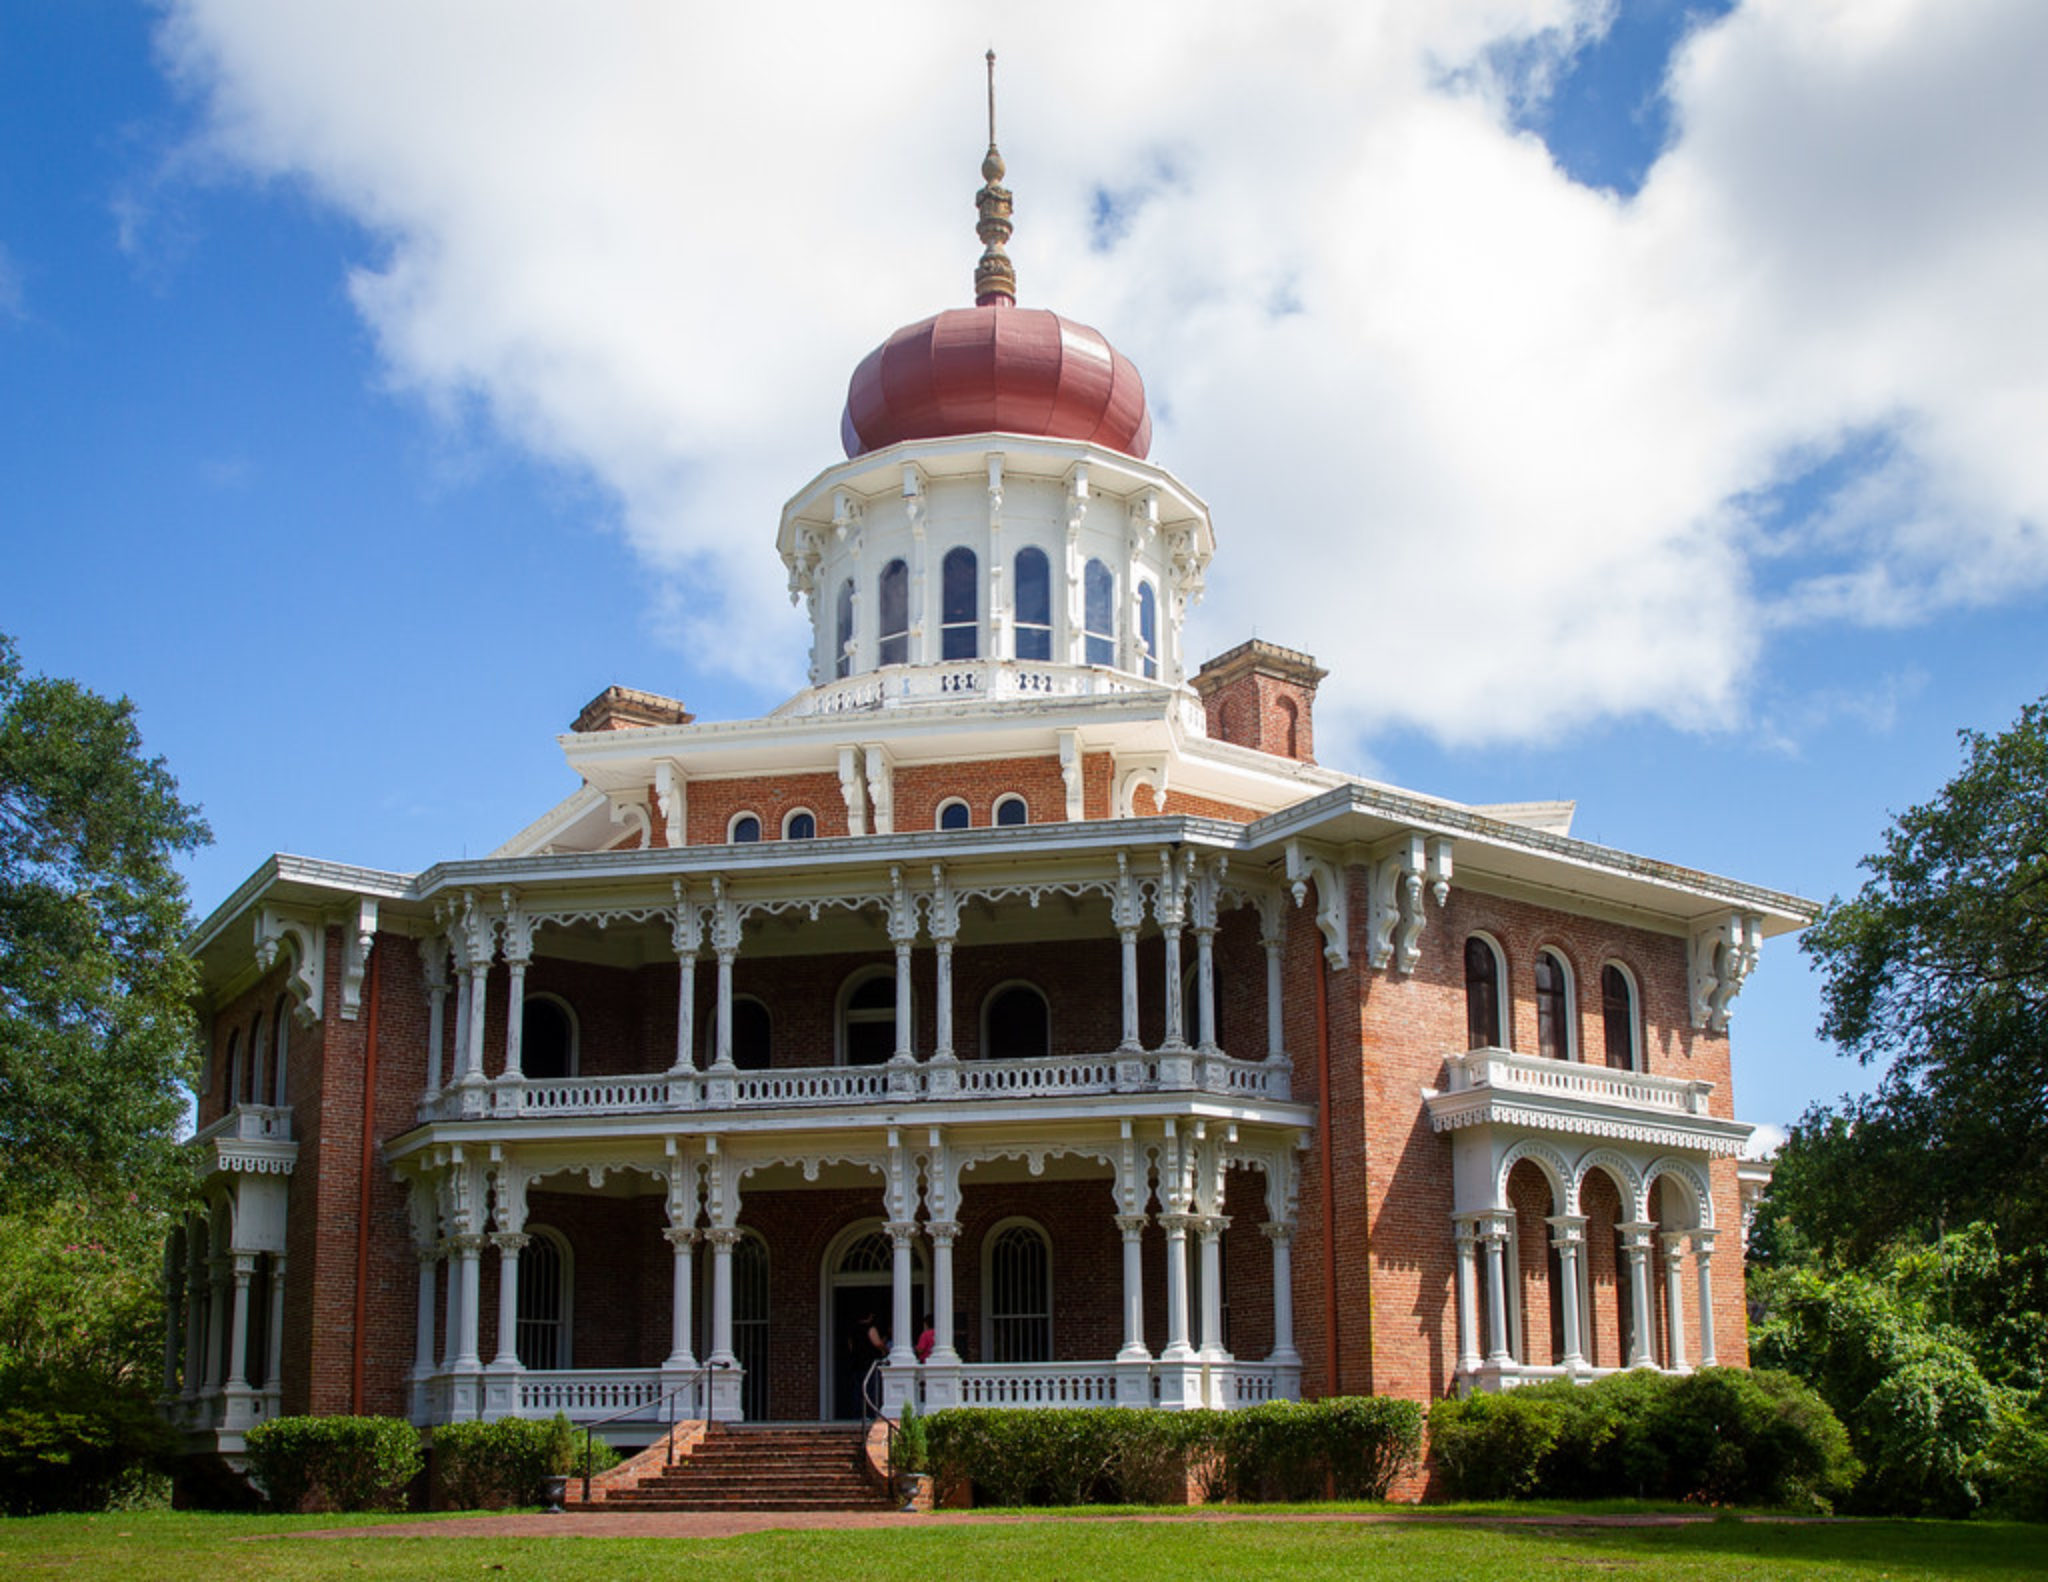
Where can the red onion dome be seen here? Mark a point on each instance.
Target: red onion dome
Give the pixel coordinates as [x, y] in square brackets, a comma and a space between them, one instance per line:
[996, 368]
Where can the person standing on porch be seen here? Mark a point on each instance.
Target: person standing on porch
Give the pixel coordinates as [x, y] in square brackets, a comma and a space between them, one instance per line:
[927, 1338]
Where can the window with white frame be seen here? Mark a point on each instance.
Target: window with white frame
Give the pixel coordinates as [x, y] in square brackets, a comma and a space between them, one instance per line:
[959, 604]
[744, 830]
[842, 655]
[1098, 614]
[955, 814]
[1620, 1023]
[1554, 1039]
[1033, 604]
[1012, 809]
[800, 824]
[893, 609]
[1485, 974]
[1148, 631]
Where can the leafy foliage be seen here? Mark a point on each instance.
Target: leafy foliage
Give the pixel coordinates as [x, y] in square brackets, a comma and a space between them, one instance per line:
[79, 1292]
[1939, 966]
[95, 1025]
[1722, 1436]
[72, 1441]
[508, 1462]
[1118, 1455]
[910, 1450]
[334, 1463]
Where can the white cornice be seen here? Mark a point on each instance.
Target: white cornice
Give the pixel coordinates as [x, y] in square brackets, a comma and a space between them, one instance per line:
[1555, 1115]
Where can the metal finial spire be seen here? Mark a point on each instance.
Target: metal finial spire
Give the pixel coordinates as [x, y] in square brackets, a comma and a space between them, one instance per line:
[995, 281]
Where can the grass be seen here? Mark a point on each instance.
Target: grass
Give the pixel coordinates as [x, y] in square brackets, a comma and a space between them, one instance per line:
[172, 1546]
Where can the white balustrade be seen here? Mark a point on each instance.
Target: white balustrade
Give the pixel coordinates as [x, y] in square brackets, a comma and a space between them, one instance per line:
[250, 1123]
[1038, 1384]
[1254, 1386]
[588, 1392]
[1500, 1068]
[1050, 1074]
[595, 1096]
[964, 678]
[811, 1085]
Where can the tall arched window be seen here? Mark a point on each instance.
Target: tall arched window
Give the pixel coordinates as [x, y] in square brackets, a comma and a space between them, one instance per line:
[1553, 1006]
[1483, 1029]
[867, 1021]
[842, 659]
[1016, 1023]
[894, 613]
[1098, 612]
[959, 605]
[1017, 1294]
[1148, 630]
[545, 1291]
[955, 814]
[250, 1089]
[231, 1071]
[1012, 809]
[1618, 1017]
[752, 1030]
[750, 1323]
[280, 1059]
[1034, 605]
[547, 1038]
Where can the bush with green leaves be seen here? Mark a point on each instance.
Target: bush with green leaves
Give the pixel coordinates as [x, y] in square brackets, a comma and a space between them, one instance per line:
[1345, 1447]
[1723, 1436]
[910, 1449]
[1121, 1455]
[71, 1441]
[481, 1466]
[334, 1463]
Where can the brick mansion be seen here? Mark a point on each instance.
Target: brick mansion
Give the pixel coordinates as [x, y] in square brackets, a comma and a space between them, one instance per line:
[1021, 980]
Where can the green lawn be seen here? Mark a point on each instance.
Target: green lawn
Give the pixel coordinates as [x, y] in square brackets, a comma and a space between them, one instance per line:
[166, 1547]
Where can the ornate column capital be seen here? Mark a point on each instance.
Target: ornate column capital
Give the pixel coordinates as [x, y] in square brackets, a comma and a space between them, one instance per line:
[1703, 1244]
[1132, 1225]
[901, 1231]
[723, 1235]
[1673, 1242]
[1212, 1226]
[1566, 1230]
[510, 1241]
[465, 1242]
[1636, 1234]
[942, 1231]
[1177, 1224]
[1278, 1231]
[679, 1236]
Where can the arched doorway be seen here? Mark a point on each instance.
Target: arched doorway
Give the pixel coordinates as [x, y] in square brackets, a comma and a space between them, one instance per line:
[859, 1287]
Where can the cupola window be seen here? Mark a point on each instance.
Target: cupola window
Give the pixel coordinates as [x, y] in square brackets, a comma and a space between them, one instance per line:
[895, 613]
[1148, 631]
[1098, 589]
[1034, 605]
[960, 605]
[800, 825]
[842, 658]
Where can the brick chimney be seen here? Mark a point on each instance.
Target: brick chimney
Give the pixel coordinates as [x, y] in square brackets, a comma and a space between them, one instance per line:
[623, 709]
[1262, 696]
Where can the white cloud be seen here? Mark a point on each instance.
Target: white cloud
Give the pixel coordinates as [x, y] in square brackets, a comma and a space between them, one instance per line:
[1486, 441]
[1765, 1141]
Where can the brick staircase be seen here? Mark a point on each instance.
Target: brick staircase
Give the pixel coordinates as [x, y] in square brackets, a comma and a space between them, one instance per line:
[739, 1467]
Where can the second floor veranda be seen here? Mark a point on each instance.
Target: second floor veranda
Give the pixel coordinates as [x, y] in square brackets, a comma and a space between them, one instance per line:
[1147, 971]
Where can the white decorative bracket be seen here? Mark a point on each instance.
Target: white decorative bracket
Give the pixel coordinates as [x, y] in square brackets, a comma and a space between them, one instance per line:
[1333, 910]
[1722, 955]
[630, 813]
[853, 787]
[305, 940]
[1070, 772]
[1150, 770]
[672, 797]
[358, 938]
[881, 787]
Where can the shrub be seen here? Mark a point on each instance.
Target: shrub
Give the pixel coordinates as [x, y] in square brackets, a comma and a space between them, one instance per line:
[1349, 1447]
[910, 1449]
[73, 1442]
[1719, 1436]
[337, 1463]
[508, 1461]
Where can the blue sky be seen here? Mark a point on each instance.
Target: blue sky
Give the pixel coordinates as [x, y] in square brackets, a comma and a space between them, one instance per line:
[359, 532]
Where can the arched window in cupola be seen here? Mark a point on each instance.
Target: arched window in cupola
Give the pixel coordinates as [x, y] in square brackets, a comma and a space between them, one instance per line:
[1148, 631]
[1098, 610]
[1034, 605]
[842, 660]
[894, 602]
[959, 605]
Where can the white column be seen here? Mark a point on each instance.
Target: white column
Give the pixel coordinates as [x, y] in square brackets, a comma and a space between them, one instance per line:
[217, 1322]
[682, 1243]
[1211, 1228]
[1129, 939]
[902, 1353]
[943, 1233]
[1636, 1241]
[465, 977]
[515, 1015]
[1176, 1028]
[1276, 1020]
[479, 989]
[723, 1026]
[1568, 1235]
[238, 1333]
[434, 961]
[1205, 990]
[509, 1244]
[423, 1313]
[903, 1054]
[468, 1272]
[1176, 1228]
[686, 1012]
[1703, 1259]
[273, 1373]
[942, 1000]
[1132, 1227]
[722, 1238]
[451, 1317]
[1467, 1236]
[1494, 1231]
[1281, 1235]
[1673, 1247]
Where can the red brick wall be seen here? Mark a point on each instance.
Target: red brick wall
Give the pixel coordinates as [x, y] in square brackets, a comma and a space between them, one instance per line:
[713, 804]
[1264, 712]
[920, 788]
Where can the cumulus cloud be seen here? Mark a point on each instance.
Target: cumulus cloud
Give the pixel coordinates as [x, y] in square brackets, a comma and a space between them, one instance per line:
[1509, 454]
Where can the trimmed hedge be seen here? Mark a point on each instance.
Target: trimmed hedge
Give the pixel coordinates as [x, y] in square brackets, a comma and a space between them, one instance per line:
[334, 1463]
[1721, 1436]
[483, 1466]
[1123, 1455]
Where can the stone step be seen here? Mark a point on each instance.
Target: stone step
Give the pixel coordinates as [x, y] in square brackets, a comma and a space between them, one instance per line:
[780, 1467]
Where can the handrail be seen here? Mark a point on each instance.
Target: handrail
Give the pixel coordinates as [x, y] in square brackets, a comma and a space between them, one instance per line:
[871, 1411]
[696, 1378]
